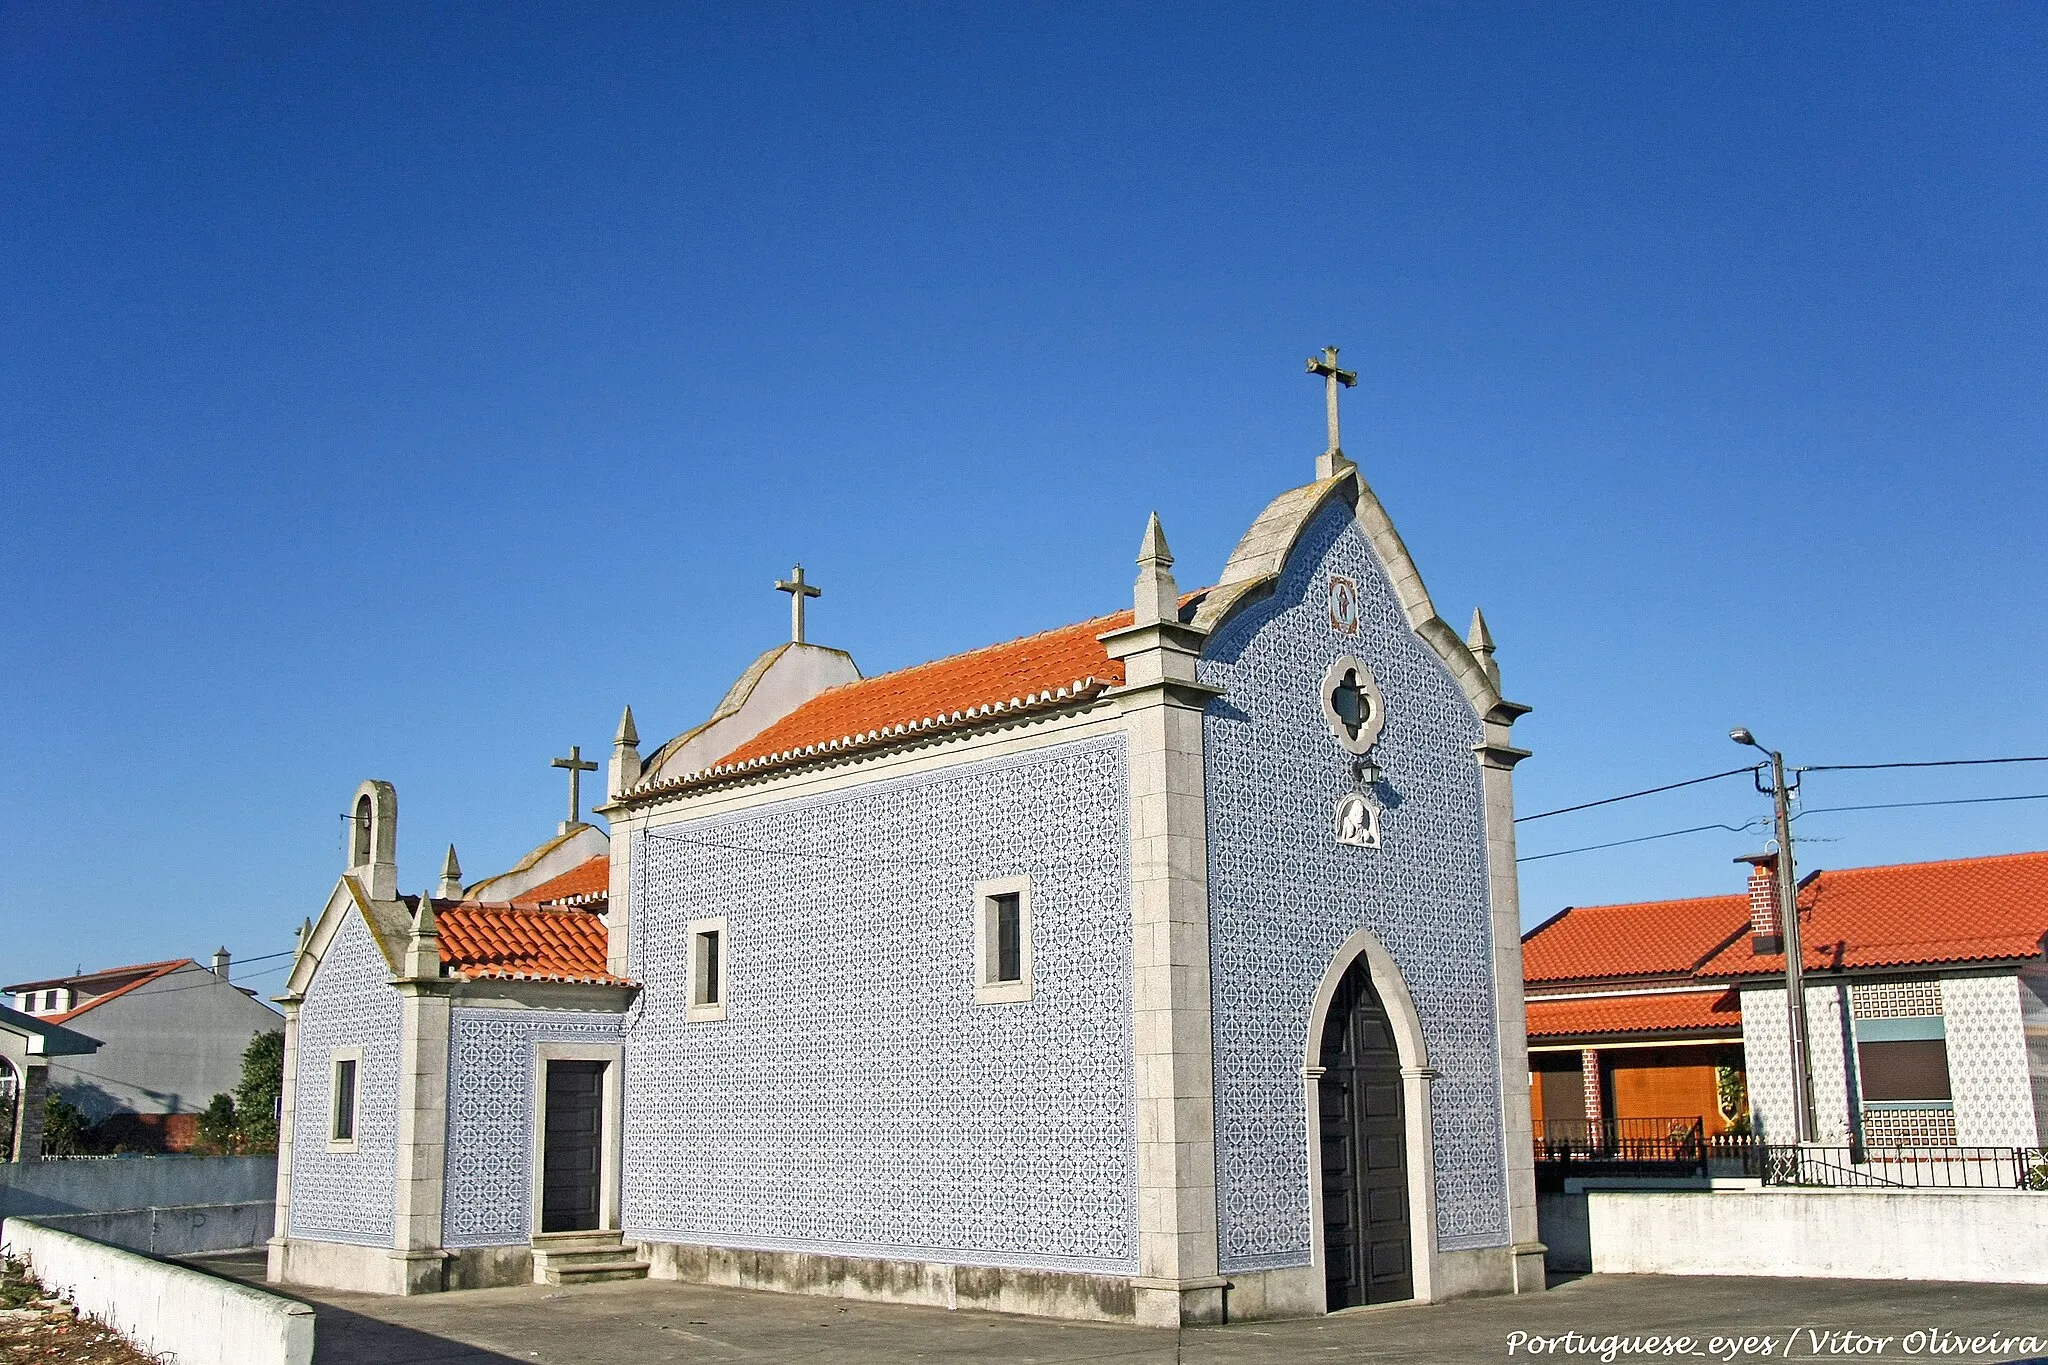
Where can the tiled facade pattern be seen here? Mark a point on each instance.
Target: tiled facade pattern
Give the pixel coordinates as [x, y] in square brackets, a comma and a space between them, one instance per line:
[1283, 895]
[2033, 988]
[347, 1196]
[1992, 1102]
[1909, 1128]
[1987, 1061]
[1767, 1061]
[855, 1100]
[1895, 999]
[488, 1197]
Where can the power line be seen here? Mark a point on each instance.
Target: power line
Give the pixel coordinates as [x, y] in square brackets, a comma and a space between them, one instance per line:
[1812, 810]
[1932, 763]
[1908, 805]
[1648, 791]
[266, 957]
[1644, 839]
[1810, 768]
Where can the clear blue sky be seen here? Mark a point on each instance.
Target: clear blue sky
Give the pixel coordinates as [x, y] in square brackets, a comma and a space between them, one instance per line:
[398, 390]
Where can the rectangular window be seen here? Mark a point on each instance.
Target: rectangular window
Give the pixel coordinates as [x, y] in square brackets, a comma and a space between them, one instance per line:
[344, 1129]
[1903, 1059]
[1009, 908]
[1002, 941]
[707, 968]
[710, 966]
[1906, 1069]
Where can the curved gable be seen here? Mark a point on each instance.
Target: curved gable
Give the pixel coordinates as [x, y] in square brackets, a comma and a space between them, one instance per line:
[773, 686]
[1262, 554]
[562, 854]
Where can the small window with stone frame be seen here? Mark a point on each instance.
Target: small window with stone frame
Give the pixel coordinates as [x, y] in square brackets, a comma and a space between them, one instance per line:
[710, 969]
[344, 1076]
[1002, 941]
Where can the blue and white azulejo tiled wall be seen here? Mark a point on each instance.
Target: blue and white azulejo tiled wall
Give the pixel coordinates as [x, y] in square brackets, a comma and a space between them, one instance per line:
[855, 1100]
[488, 1198]
[1283, 895]
[347, 1196]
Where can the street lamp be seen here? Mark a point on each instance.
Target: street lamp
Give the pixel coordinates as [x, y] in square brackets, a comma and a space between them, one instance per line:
[1788, 922]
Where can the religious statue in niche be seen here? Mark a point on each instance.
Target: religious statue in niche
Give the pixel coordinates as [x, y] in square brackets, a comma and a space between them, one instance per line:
[1358, 821]
[1343, 604]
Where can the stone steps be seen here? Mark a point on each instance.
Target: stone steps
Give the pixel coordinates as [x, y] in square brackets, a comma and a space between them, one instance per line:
[584, 1258]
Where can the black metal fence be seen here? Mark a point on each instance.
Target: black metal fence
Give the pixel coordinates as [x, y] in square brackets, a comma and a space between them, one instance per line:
[1668, 1139]
[1568, 1148]
[1907, 1168]
[1680, 1147]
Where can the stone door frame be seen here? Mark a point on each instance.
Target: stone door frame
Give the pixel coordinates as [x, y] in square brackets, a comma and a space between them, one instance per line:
[1416, 1074]
[614, 1055]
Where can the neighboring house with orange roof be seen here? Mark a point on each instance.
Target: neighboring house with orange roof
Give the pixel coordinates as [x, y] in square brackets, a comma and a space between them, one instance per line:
[1619, 1025]
[1926, 1003]
[171, 1037]
[1084, 974]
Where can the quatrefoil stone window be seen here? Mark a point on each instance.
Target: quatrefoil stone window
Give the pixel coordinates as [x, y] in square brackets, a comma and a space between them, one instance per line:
[1353, 705]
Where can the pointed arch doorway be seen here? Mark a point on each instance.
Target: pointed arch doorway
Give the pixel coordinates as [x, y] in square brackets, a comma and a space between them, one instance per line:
[1363, 1140]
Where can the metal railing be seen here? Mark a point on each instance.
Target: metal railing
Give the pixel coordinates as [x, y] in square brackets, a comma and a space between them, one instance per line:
[1646, 1139]
[1906, 1168]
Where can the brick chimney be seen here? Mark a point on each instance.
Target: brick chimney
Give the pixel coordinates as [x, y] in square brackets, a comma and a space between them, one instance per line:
[1766, 934]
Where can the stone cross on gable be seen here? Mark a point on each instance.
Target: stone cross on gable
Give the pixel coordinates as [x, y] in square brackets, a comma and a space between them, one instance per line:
[798, 590]
[1326, 366]
[577, 766]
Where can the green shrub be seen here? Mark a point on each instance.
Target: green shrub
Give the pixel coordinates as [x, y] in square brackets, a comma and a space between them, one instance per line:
[217, 1128]
[256, 1098]
[64, 1127]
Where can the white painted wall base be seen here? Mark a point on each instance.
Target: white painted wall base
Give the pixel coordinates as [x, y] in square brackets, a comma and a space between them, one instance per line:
[999, 1289]
[1488, 1270]
[1987, 1236]
[366, 1270]
[1259, 1295]
[1297, 1291]
[165, 1310]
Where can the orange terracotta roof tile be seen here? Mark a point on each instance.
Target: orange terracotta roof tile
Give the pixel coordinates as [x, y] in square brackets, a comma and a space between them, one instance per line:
[1677, 1012]
[83, 978]
[1047, 671]
[587, 881]
[1603, 942]
[523, 942]
[146, 973]
[998, 675]
[1912, 914]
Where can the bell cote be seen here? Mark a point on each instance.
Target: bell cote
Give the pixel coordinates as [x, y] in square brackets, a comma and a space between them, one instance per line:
[373, 840]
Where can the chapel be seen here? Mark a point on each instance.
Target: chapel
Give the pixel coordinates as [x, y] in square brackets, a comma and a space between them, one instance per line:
[1161, 967]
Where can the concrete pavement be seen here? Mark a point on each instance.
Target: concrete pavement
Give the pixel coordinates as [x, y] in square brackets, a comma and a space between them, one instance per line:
[654, 1321]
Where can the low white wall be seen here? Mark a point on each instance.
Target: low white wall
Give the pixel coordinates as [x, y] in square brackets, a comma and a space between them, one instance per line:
[165, 1310]
[30, 1189]
[1990, 1236]
[186, 1231]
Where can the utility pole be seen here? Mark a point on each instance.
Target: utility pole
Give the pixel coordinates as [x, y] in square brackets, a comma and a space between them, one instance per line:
[1788, 925]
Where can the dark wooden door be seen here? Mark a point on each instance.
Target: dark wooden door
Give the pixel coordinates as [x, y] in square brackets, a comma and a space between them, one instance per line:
[572, 1157]
[1365, 1151]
